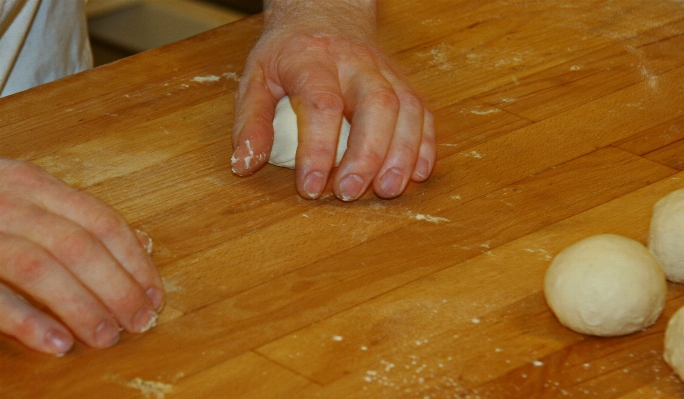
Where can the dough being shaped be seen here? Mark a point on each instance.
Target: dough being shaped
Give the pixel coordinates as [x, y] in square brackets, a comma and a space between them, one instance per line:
[286, 137]
[605, 285]
[674, 343]
[666, 235]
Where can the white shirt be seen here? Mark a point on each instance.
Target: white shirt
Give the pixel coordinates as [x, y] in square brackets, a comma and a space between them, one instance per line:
[40, 41]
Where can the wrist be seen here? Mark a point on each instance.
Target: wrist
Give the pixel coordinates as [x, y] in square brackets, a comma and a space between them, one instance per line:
[268, 4]
[342, 18]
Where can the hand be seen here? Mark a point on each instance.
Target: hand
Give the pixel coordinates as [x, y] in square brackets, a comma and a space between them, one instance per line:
[83, 269]
[324, 56]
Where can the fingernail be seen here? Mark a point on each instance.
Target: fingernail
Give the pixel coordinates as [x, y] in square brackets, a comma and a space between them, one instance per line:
[423, 168]
[314, 184]
[350, 187]
[144, 320]
[106, 335]
[391, 182]
[59, 342]
[156, 296]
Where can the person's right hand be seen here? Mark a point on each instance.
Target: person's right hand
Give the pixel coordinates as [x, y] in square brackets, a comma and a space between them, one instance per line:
[84, 271]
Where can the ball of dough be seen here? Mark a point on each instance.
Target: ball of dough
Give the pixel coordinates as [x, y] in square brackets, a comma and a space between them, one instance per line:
[286, 137]
[674, 343]
[605, 285]
[666, 235]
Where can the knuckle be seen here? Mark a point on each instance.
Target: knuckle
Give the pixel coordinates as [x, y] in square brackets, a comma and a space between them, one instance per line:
[29, 268]
[25, 327]
[75, 247]
[412, 103]
[327, 102]
[384, 98]
[405, 150]
[429, 143]
[108, 225]
[128, 301]
[318, 44]
[9, 205]
[429, 118]
[372, 159]
[26, 174]
[316, 154]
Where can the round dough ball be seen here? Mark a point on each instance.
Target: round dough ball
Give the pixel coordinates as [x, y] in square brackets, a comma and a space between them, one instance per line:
[605, 285]
[674, 343]
[285, 139]
[666, 235]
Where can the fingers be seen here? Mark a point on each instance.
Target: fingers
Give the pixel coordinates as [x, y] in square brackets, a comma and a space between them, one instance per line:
[34, 271]
[29, 326]
[392, 138]
[76, 256]
[253, 124]
[398, 166]
[319, 105]
[79, 252]
[428, 150]
[373, 124]
[92, 234]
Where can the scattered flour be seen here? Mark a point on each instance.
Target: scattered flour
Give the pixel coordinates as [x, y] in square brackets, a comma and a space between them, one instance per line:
[206, 79]
[428, 218]
[431, 22]
[439, 57]
[231, 76]
[149, 245]
[649, 77]
[474, 154]
[171, 285]
[214, 78]
[485, 112]
[149, 389]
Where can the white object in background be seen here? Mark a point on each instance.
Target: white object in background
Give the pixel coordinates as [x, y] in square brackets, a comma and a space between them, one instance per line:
[606, 285]
[666, 234]
[286, 136]
[41, 41]
[674, 342]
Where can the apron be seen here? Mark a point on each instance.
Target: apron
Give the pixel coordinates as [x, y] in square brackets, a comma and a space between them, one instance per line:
[41, 41]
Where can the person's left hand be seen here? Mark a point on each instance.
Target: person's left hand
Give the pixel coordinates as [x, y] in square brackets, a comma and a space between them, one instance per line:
[325, 57]
[70, 266]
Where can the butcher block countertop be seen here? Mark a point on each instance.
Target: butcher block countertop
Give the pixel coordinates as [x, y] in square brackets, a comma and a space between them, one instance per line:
[555, 120]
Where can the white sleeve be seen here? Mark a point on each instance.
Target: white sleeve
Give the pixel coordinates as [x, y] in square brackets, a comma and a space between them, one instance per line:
[41, 41]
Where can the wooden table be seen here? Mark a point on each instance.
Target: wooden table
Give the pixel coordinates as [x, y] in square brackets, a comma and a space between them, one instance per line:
[556, 120]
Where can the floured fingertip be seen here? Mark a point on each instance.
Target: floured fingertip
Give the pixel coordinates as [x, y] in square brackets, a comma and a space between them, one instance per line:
[145, 240]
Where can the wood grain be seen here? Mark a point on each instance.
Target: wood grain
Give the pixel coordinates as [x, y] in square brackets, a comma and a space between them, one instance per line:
[555, 120]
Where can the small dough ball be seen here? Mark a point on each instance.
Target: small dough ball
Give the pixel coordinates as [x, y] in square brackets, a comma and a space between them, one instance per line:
[666, 234]
[285, 139]
[605, 285]
[674, 343]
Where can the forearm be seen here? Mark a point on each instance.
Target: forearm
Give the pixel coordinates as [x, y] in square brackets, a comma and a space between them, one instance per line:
[362, 3]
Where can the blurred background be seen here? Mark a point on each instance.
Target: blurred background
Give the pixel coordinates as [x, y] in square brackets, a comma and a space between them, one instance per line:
[120, 28]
